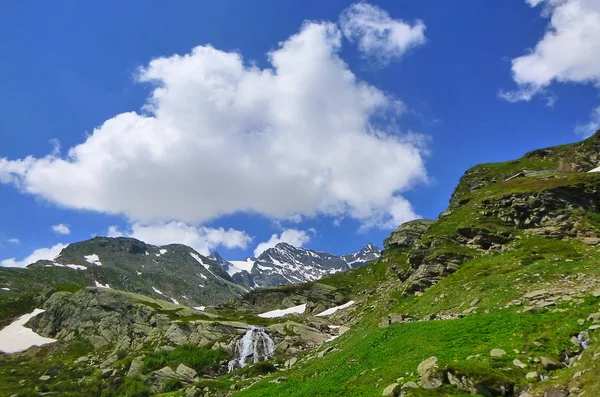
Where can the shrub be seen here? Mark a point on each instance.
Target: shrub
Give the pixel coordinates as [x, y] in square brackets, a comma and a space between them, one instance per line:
[200, 359]
[172, 385]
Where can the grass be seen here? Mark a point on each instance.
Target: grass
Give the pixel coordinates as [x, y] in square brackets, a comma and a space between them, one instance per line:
[200, 359]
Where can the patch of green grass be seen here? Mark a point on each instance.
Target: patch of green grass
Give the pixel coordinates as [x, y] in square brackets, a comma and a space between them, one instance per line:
[200, 359]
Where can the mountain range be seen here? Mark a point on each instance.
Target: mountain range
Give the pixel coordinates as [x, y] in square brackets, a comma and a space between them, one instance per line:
[178, 273]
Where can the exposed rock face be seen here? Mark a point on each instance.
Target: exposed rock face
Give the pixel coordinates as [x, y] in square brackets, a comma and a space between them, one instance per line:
[555, 212]
[407, 234]
[107, 317]
[318, 297]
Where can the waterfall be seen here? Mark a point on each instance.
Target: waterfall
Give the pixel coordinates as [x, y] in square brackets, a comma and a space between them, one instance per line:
[255, 345]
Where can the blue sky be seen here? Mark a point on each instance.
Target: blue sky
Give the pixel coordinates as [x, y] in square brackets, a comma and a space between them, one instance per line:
[324, 124]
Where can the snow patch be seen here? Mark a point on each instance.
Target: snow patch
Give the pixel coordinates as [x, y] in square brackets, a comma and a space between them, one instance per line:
[161, 251]
[174, 301]
[332, 310]
[284, 312]
[93, 259]
[203, 276]
[157, 291]
[100, 285]
[5, 289]
[239, 266]
[597, 169]
[200, 285]
[200, 308]
[76, 267]
[138, 273]
[17, 338]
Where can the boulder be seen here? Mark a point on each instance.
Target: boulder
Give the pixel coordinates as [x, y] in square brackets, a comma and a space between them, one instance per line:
[186, 373]
[497, 353]
[549, 363]
[391, 390]
[517, 363]
[407, 234]
[594, 317]
[431, 376]
[136, 366]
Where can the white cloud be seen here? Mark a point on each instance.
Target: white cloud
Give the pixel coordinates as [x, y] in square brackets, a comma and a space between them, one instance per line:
[377, 34]
[592, 126]
[220, 136]
[202, 239]
[568, 52]
[61, 228]
[38, 254]
[113, 231]
[294, 237]
[14, 241]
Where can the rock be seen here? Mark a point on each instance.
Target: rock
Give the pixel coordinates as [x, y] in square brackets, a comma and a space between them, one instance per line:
[536, 294]
[531, 375]
[281, 379]
[44, 378]
[407, 234]
[289, 363]
[497, 353]
[594, 317]
[555, 393]
[166, 372]
[107, 373]
[549, 364]
[518, 363]
[431, 377]
[594, 327]
[136, 366]
[342, 330]
[324, 352]
[191, 391]
[391, 390]
[185, 372]
[474, 302]
[410, 385]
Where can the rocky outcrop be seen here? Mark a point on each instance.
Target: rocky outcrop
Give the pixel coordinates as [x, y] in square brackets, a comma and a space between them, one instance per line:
[106, 317]
[318, 297]
[557, 212]
[407, 234]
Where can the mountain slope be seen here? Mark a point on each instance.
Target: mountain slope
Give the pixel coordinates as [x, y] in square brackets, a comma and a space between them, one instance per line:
[503, 289]
[173, 272]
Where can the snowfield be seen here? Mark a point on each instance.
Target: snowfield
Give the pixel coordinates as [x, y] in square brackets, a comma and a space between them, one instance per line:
[333, 310]
[284, 312]
[16, 337]
[93, 259]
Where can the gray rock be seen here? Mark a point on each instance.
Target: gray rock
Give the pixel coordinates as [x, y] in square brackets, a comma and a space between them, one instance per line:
[531, 375]
[497, 353]
[431, 376]
[107, 373]
[192, 391]
[44, 378]
[290, 363]
[410, 385]
[594, 317]
[549, 363]
[391, 390]
[518, 363]
[186, 373]
[136, 366]
[407, 233]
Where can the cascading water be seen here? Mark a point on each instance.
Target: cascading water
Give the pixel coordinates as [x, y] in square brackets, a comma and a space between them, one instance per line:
[255, 344]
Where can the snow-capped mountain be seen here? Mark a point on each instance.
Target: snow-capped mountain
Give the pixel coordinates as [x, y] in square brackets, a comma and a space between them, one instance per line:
[286, 264]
